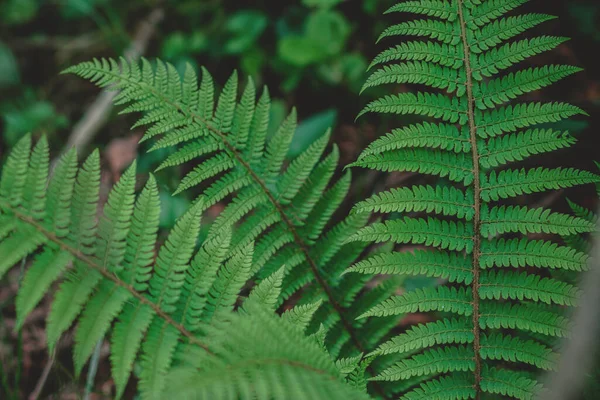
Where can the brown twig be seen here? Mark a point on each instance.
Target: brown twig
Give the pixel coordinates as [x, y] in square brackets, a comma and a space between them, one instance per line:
[44, 377]
[98, 112]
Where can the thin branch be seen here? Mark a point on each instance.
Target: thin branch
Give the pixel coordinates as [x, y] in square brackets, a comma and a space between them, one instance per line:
[98, 112]
[44, 377]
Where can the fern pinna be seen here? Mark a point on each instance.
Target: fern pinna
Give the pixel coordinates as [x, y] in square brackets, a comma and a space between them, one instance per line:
[498, 313]
[166, 303]
[285, 209]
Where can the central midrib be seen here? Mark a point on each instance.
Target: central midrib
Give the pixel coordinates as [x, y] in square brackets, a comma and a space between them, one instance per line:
[476, 200]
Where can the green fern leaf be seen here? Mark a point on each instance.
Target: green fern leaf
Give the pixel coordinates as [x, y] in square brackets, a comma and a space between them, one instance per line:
[46, 268]
[14, 173]
[445, 265]
[433, 136]
[523, 252]
[446, 331]
[425, 104]
[74, 292]
[498, 91]
[509, 383]
[513, 349]
[474, 136]
[126, 340]
[504, 29]
[505, 219]
[420, 198]
[172, 260]
[228, 284]
[431, 232]
[512, 118]
[444, 164]
[519, 146]
[418, 72]
[490, 10]
[519, 286]
[512, 183]
[34, 191]
[495, 60]
[444, 32]
[432, 8]
[442, 54]
[455, 387]
[442, 360]
[438, 298]
[527, 317]
[157, 356]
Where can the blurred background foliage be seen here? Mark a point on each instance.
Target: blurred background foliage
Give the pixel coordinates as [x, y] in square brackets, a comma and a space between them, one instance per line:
[312, 54]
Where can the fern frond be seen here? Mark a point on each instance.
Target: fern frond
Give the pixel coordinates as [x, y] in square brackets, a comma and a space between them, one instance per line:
[498, 91]
[475, 135]
[527, 317]
[519, 286]
[444, 32]
[503, 219]
[443, 164]
[511, 118]
[490, 10]
[431, 8]
[446, 331]
[418, 72]
[456, 387]
[161, 304]
[512, 183]
[446, 265]
[441, 360]
[454, 202]
[520, 146]
[509, 383]
[493, 61]
[267, 367]
[439, 298]
[538, 253]
[430, 232]
[425, 104]
[433, 136]
[442, 54]
[504, 29]
[282, 208]
[513, 349]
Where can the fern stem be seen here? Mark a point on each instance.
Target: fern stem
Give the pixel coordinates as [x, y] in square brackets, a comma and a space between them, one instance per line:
[108, 275]
[280, 209]
[286, 220]
[299, 242]
[20, 334]
[476, 198]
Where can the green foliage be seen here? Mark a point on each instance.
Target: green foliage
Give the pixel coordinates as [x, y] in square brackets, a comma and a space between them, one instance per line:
[169, 306]
[283, 211]
[469, 137]
[212, 310]
[274, 232]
